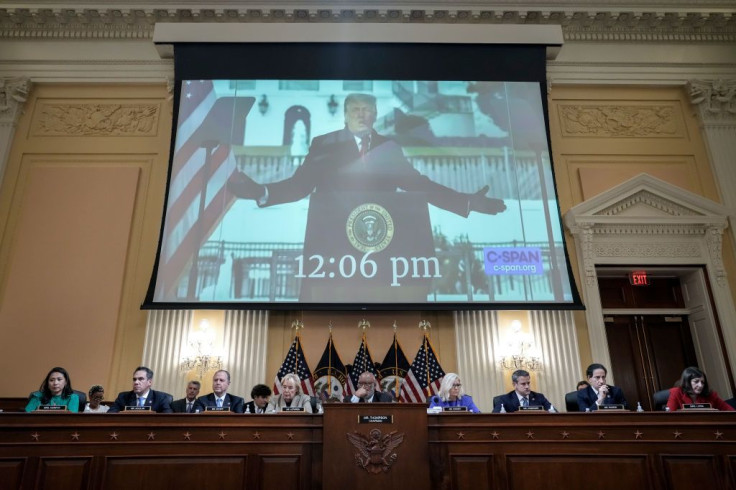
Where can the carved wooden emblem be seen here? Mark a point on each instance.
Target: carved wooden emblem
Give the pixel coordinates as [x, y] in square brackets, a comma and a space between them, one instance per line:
[375, 450]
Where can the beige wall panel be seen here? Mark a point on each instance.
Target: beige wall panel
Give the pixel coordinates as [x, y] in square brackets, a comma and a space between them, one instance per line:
[122, 131]
[597, 174]
[61, 292]
[346, 336]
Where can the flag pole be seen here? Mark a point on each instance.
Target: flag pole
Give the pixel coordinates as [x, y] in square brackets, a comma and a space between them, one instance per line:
[297, 325]
[329, 360]
[364, 325]
[397, 379]
[425, 325]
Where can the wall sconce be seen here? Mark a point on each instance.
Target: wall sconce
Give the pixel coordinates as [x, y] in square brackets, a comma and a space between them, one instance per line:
[263, 104]
[200, 357]
[521, 352]
[332, 105]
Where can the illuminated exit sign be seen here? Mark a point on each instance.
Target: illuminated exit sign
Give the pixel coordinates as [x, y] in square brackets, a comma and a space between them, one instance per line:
[638, 278]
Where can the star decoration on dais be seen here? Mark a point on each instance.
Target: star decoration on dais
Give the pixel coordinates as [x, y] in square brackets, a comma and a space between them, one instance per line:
[461, 435]
[114, 436]
[75, 436]
[187, 436]
[678, 434]
[638, 434]
[529, 434]
[36, 436]
[565, 434]
[151, 436]
[257, 435]
[222, 435]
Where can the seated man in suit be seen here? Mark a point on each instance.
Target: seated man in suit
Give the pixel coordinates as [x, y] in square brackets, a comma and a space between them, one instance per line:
[142, 394]
[220, 398]
[261, 394]
[186, 405]
[366, 392]
[522, 396]
[599, 393]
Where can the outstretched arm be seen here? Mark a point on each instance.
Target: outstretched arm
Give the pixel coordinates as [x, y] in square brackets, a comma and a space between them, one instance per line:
[487, 205]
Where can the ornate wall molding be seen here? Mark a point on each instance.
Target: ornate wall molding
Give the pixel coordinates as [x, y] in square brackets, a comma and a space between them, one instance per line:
[716, 100]
[648, 199]
[97, 119]
[623, 121]
[594, 26]
[13, 95]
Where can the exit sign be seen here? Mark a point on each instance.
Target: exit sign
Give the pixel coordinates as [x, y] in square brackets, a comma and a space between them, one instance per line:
[638, 278]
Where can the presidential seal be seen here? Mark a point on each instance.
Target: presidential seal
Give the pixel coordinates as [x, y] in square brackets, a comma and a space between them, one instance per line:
[370, 228]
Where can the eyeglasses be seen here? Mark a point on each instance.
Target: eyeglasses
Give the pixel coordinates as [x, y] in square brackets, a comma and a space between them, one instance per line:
[370, 383]
[456, 385]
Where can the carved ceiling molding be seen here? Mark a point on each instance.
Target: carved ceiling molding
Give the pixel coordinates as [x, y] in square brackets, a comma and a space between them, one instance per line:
[618, 26]
[13, 95]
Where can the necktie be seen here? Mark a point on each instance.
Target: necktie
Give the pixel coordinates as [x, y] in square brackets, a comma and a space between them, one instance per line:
[365, 143]
[189, 407]
[141, 401]
[219, 402]
[525, 402]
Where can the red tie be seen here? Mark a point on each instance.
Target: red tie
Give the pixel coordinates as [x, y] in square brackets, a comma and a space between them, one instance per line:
[365, 143]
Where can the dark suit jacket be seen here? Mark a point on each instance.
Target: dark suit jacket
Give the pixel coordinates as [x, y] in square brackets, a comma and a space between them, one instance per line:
[235, 403]
[378, 397]
[587, 398]
[510, 401]
[180, 406]
[159, 401]
[334, 164]
[250, 407]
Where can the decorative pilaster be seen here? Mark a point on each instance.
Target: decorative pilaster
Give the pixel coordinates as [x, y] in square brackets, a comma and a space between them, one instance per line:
[477, 341]
[716, 104]
[13, 95]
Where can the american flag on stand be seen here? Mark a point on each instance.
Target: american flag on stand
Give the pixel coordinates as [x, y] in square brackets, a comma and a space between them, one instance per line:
[203, 161]
[296, 363]
[424, 376]
[363, 362]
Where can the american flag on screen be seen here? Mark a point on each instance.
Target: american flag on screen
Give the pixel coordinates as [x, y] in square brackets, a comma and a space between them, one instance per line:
[363, 362]
[296, 363]
[202, 163]
[424, 376]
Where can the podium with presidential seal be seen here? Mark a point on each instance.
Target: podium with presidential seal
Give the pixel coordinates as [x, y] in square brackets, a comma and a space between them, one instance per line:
[374, 246]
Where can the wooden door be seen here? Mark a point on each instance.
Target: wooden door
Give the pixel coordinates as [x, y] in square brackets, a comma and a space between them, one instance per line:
[648, 353]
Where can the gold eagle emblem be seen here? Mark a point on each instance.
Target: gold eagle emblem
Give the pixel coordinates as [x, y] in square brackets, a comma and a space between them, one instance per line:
[375, 450]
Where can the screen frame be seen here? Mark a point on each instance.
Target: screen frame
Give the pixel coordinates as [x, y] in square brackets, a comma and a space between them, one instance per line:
[391, 61]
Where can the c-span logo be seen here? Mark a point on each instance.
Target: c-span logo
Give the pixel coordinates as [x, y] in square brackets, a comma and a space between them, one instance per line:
[370, 228]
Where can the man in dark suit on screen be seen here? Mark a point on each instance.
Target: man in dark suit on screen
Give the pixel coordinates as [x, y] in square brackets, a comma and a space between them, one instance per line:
[220, 399]
[365, 196]
[142, 397]
[522, 396]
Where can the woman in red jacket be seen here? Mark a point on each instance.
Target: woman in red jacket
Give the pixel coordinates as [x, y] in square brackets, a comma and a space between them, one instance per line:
[693, 388]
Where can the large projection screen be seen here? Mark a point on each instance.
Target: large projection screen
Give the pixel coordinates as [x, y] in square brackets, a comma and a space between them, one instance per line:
[372, 176]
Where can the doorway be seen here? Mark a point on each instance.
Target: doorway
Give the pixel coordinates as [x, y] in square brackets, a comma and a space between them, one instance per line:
[648, 333]
[648, 353]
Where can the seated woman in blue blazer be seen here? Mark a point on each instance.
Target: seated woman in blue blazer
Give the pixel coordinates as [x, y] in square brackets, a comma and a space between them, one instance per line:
[451, 395]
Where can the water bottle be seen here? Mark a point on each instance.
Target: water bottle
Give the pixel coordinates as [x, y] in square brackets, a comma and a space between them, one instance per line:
[587, 409]
[666, 408]
[552, 409]
[638, 407]
[247, 409]
[503, 409]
